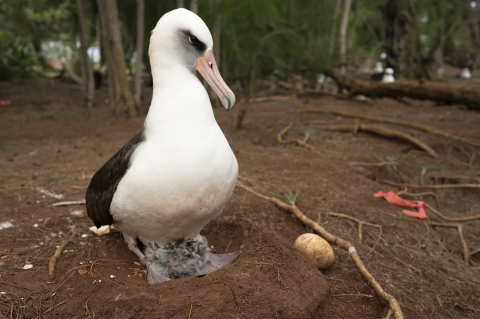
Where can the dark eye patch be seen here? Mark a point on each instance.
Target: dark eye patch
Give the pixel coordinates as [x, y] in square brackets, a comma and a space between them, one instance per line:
[195, 42]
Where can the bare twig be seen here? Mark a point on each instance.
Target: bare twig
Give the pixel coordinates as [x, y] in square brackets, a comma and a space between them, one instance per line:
[392, 302]
[460, 234]
[443, 186]
[358, 221]
[53, 260]
[422, 127]
[68, 203]
[380, 131]
[300, 142]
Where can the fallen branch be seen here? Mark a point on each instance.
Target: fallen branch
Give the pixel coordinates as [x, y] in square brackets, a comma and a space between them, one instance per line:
[392, 302]
[443, 186]
[421, 127]
[460, 234]
[422, 90]
[380, 131]
[53, 260]
[300, 142]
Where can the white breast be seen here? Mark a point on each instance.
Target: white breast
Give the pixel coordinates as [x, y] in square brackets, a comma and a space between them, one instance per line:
[172, 191]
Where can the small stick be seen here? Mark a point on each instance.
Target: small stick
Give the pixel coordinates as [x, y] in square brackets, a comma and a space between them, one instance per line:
[380, 131]
[300, 142]
[58, 304]
[460, 234]
[373, 164]
[392, 302]
[190, 313]
[443, 186]
[69, 203]
[422, 127]
[228, 247]
[353, 295]
[53, 260]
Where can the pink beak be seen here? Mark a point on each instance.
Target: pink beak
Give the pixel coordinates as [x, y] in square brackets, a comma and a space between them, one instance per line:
[207, 66]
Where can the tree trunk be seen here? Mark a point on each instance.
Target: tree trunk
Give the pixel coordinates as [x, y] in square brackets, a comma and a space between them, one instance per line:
[333, 31]
[471, 18]
[180, 3]
[194, 6]
[343, 33]
[402, 41]
[422, 90]
[139, 51]
[126, 104]
[86, 67]
[113, 83]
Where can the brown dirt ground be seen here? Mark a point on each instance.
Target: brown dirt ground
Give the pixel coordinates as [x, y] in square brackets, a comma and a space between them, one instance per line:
[49, 142]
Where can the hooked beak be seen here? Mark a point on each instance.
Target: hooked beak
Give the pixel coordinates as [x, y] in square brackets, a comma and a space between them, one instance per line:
[207, 66]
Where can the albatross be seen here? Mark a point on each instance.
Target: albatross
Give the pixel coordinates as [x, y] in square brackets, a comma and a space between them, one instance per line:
[178, 171]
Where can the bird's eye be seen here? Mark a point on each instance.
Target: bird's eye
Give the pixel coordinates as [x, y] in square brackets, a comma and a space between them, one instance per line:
[193, 40]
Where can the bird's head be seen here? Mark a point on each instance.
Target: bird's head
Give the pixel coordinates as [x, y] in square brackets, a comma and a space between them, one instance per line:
[181, 37]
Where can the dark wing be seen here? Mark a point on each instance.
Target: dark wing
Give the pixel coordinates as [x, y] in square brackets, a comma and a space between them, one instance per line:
[105, 181]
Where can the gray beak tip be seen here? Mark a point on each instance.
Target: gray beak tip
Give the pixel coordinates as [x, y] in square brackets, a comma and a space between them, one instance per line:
[229, 102]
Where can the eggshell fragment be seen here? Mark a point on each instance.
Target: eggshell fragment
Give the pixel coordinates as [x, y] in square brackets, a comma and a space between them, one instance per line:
[316, 249]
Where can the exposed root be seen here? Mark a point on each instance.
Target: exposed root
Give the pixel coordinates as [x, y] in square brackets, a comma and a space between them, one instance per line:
[273, 98]
[451, 219]
[460, 234]
[300, 142]
[404, 192]
[443, 186]
[392, 302]
[380, 131]
[422, 127]
[53, 260]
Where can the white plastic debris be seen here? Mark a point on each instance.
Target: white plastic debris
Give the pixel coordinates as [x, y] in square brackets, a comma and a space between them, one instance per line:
[51, 194]
[27, 266]
[101, 231]
[35, 225]
[5, 225]
[85, 235]
[112, 276]
[77, 213]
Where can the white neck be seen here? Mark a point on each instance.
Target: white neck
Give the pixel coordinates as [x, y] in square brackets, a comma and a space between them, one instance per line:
[179, 100]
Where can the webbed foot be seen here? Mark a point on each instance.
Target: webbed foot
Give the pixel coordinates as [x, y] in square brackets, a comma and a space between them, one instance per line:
[213, 262]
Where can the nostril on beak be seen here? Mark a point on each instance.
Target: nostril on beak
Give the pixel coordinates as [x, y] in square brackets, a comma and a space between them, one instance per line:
[211, 64]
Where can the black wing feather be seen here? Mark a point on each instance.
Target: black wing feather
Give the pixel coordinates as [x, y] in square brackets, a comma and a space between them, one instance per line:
[105, 181]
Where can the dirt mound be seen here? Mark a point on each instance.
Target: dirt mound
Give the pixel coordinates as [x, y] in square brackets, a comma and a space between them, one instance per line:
[269, 279]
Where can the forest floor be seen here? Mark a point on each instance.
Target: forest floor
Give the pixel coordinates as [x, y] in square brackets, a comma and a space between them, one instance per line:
[50, 146]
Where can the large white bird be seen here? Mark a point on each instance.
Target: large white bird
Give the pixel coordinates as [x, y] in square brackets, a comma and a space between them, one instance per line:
[178, 172]
[465, 74]
[388, 76]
